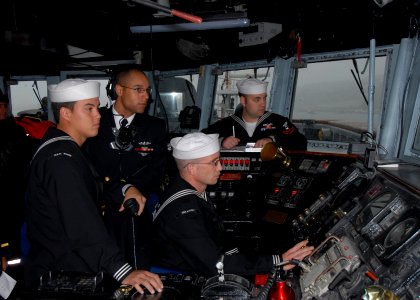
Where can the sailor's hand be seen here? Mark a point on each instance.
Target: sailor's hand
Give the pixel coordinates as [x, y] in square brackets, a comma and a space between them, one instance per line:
[141, 279]
[260, 143]
[230, 142]
[133, 192]
[299, 252]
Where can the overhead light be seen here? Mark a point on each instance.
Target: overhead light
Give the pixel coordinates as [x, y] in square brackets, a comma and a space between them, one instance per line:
[220, 24]
[15, 261]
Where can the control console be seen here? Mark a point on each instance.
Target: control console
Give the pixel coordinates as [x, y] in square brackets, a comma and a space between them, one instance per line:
[373, 247]
[176, 287]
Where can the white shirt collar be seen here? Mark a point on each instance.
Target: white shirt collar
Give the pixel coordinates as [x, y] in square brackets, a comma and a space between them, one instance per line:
[118, 118]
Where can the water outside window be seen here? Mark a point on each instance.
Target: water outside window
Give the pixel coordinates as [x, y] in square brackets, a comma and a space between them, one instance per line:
[327, 91]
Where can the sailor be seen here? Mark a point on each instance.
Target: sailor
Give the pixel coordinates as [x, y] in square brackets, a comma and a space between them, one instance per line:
[188, 233]
[251, 123]
[65, 228]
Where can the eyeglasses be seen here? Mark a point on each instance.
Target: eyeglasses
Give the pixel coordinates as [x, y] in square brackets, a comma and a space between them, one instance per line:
[139, 90]
[213, 163]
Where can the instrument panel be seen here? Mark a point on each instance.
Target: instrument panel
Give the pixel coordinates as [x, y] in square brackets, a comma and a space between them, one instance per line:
[383, 229]
[366, 222]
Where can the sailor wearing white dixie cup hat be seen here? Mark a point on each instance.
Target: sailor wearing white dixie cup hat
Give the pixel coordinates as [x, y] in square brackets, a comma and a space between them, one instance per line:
[195, 145]
[188, 232]
[251, 123]
[63, 220]
[198, 159]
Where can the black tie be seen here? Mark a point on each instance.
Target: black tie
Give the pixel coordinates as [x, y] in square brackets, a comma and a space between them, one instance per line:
[124, 123]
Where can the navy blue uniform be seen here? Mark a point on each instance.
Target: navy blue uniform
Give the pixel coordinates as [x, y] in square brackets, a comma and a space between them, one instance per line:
[271, 125]
[15, 154]
[188, 236]
[142, 165]
[64, 225]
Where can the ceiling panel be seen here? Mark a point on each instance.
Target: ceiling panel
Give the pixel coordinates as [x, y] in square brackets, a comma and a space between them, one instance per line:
[35, 33]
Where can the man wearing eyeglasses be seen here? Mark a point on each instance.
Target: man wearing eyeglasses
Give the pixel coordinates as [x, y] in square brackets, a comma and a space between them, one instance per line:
[188, 234]
[129, 154]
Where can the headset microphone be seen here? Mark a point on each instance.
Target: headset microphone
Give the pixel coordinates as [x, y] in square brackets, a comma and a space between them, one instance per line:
[131, 206]
[123, 137]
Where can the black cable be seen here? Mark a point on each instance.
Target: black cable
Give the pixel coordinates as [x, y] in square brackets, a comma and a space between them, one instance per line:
[359, 86]
[38, 95]
[364, 68]
[189, 90]
[263, 294]
[266, 74]
[133, 232]
[212, 102]
[159, 99]
[358, 73]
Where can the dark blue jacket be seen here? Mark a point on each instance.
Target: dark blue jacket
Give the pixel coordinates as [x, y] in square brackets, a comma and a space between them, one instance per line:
[275, 126]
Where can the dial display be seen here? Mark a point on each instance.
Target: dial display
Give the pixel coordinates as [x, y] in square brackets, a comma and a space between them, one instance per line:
[373, 208]
[400, 232]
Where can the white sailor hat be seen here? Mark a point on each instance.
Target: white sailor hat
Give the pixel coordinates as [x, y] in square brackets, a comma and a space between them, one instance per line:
[251, 86]
[195, 145]
[70, 90]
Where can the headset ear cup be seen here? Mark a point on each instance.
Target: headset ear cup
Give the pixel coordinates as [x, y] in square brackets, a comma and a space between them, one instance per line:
[110, 88]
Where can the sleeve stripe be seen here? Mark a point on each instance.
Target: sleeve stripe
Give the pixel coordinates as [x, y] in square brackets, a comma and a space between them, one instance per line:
[276, 260]
[125, 188]
[126, 268]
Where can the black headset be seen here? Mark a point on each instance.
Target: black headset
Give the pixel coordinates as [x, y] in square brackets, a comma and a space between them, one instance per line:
[110, 87]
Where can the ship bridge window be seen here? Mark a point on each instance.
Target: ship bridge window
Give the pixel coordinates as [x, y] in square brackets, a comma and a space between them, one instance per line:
[331, 98]
[26, 97]
[412, 141]
[29, 97]
[174, 95]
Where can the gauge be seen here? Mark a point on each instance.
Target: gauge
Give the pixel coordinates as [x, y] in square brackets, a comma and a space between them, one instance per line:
[373, 208]
[400, 232]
